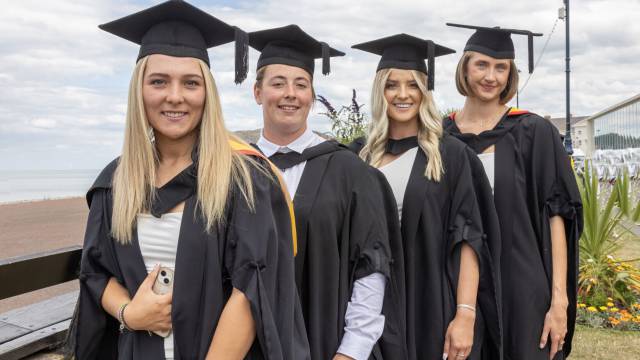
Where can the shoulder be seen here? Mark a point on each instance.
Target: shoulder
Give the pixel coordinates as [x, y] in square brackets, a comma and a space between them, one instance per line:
[104, 180]
[357, 144]
[532, 121]
[451, 145]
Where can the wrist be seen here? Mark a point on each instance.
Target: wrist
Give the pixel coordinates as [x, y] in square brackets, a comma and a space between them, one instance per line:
[560, 303]
[126, 320]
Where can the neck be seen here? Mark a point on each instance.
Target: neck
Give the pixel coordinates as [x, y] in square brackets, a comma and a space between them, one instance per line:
[402, 129]
[174, 151]
[281, 138]
[483, 111]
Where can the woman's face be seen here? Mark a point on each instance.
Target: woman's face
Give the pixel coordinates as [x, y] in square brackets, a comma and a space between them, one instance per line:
[487, 77]
[173, 92]
[286, 97]
[403, 96]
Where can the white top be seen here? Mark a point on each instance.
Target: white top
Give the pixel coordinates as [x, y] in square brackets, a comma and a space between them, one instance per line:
[293, 174]
[489, 164]
[364, 322]
[397, 173]
[158, 239]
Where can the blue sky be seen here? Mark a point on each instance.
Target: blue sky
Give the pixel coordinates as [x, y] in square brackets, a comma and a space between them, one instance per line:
[63, 82]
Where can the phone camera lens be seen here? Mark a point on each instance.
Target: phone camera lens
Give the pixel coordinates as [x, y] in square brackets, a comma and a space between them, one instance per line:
[166, 281]
[163, 273]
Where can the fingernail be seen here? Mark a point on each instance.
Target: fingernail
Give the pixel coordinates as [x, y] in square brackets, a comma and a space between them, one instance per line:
[541, 346]
[445, 356]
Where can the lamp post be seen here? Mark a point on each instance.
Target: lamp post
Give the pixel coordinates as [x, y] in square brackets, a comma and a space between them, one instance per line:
[563, 14]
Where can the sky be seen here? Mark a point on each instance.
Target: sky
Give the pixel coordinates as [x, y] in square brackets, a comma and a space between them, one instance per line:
[64, 82]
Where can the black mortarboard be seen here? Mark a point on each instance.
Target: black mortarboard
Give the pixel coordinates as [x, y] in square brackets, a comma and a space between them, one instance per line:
[289, 45]
[407, 52]
[177, 28]
[496, 42]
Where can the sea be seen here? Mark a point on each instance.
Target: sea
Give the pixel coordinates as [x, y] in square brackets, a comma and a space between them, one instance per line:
[33, 185]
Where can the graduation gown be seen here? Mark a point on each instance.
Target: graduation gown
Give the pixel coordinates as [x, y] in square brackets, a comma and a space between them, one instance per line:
[342, 236]
[437, 218]
[250, 251]
[533, 182]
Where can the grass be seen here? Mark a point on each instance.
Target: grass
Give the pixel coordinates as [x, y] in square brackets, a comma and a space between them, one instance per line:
[601, 344]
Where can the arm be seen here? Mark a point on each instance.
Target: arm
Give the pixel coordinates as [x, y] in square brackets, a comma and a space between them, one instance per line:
[236, 329]
[146, 311]
[459, 337]
[555, 321]
[363, 322]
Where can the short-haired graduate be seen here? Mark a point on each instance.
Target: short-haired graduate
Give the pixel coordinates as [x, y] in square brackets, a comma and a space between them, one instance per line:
[189, 204]
[535, 195]
[343, 261]
[448, 232]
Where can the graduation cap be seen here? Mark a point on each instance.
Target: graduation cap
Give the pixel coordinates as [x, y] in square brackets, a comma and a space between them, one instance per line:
[407, 52]
[289, 45]
[496, 42]
[177, 28]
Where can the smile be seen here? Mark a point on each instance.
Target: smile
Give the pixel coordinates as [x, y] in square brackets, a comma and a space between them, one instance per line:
[288, 108]
[173, 114]
[402, 106]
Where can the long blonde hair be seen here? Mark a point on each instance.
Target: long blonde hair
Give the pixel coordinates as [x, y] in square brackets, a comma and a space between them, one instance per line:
[429, 125]
[220, 169]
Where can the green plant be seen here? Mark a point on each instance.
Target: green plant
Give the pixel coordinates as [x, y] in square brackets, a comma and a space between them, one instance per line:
[348, 123]
[601, 275]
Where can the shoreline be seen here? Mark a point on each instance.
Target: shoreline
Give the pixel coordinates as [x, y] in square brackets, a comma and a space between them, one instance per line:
[29, 201]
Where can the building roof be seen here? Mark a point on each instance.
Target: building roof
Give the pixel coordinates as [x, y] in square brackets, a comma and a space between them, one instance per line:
[560, 124]
[615, 107]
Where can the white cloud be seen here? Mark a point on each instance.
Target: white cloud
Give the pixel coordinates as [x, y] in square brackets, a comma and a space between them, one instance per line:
[63, 82]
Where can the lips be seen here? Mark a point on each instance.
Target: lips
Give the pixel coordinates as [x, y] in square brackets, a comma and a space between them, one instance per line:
[289, 108]
[174, 115]
[402, 106]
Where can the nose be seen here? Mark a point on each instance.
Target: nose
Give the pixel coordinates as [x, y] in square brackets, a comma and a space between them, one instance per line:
[404, 92]
[490, 74]
[290, 91]
[175, 95]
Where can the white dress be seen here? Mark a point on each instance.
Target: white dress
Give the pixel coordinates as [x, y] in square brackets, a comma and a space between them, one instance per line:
[397, 173]
[158, 239]
[489, 164]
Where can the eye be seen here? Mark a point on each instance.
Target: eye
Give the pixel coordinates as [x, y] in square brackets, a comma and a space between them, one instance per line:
[390, 86]
[191, 83]
[277, 84]
[301, 86]
[157, 82]
[414, 85]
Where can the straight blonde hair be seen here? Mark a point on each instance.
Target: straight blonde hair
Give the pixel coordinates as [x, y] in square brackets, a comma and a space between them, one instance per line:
[429, 125]
[463, 86]
[220, 169]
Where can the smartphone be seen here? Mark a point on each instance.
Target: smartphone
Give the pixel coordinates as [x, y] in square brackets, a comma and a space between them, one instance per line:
[163, 285]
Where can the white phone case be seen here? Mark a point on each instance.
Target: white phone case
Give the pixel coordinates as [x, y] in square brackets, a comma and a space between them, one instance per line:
[163, 285]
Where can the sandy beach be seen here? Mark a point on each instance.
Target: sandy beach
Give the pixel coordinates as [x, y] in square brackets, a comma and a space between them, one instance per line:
[32, 227]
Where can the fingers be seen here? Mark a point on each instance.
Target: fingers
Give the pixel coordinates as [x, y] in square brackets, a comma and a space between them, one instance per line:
[447, 343]
[555, 342]
[545, 335]
[149, 280]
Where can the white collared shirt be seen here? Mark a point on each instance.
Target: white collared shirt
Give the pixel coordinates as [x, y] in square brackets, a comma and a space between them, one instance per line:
[364, 322]
[293, 174]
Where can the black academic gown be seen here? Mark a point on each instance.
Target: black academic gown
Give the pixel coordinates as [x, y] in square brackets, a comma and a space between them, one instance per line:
[251, 251]
[342, 236]
[437, 217]
[533, 182]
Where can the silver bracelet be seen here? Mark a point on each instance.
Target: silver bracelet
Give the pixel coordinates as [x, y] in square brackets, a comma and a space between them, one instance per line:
[465, 306]
[123, 325]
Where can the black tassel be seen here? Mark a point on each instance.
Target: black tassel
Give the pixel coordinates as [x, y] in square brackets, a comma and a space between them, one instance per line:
[326, 57]
[431, 59]
[242, 55]
[530, 38]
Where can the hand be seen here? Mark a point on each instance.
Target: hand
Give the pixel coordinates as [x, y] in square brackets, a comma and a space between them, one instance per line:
[555, 326]
[342, 357]
[459, 337]
[148, 310]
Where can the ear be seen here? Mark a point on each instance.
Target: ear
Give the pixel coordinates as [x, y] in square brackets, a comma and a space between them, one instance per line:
[257, 93]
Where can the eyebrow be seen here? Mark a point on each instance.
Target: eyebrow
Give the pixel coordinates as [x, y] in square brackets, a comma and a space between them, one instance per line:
[167, 75]
[282, 77]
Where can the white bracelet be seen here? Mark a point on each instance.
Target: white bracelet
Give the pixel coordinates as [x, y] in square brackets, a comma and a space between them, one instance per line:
[468, 307]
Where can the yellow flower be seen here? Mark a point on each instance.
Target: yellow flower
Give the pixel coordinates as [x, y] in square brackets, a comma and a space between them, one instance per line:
[603, 308]
[614, 309]
[582, 305]
[610, 304]
[592, 309]
[610, 299]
